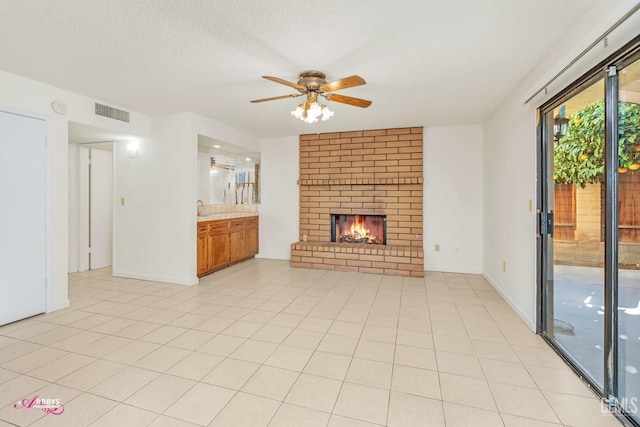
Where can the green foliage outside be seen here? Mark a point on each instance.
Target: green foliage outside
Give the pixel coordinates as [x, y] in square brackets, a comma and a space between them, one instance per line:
[579, 155]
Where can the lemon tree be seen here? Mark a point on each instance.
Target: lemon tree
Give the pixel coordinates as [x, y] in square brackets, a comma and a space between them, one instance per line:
[578, 156]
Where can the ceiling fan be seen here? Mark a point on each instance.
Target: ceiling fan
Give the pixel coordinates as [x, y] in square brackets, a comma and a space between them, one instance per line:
[312, 84]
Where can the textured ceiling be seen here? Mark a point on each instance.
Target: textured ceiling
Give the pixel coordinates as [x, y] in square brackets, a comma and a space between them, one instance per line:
[426, 62]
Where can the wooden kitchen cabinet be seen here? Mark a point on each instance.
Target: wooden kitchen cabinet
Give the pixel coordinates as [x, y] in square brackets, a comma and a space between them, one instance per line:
[203, 250]
[237, 240]
[251, 235]
[225, 242]
[218, 255]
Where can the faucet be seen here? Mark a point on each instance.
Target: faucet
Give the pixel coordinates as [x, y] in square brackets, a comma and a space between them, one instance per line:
[199, 204]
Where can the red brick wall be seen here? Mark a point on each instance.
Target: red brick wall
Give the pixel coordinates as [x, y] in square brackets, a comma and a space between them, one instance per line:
[364, 172]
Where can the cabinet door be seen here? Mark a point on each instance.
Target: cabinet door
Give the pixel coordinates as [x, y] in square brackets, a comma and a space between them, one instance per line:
[219, 252]
[237, 241]
[203, 251]
[218, 245]
[252, 236]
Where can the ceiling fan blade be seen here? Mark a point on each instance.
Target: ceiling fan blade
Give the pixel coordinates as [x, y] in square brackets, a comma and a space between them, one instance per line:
[342, 84]
[286, 83]
[356, 102]
[273, 98]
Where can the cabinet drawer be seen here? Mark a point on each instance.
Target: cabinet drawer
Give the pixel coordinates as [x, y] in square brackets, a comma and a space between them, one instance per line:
[219, 227]
[202, 228]
[237, 225]
[252, 222]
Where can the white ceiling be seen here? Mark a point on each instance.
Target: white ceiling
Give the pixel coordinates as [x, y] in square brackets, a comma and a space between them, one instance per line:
[426, 62]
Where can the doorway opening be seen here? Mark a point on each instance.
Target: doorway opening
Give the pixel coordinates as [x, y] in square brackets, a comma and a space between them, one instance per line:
[91, 197]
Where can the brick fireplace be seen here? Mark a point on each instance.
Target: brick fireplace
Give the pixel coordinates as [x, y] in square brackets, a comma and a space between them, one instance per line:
[369, 172]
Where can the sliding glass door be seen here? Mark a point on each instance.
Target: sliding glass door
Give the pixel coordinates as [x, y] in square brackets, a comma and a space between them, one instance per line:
[575, 247]
[589, 228]
[628, 339]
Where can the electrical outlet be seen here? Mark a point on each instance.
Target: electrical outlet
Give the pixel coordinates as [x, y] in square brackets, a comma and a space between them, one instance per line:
[530, 205]
[437, 248]
[504, 265]
[121, 201]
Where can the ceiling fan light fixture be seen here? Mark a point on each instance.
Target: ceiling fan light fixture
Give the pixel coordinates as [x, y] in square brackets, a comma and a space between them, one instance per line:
[313, 83]
[315, 109]
[326, 113]
[298, 113]
[312, 112]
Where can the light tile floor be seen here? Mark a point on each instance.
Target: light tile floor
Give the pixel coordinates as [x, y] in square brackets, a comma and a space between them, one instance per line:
[263, 344]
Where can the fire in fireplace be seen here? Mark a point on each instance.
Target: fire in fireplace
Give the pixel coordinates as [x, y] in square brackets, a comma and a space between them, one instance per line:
[365, 229]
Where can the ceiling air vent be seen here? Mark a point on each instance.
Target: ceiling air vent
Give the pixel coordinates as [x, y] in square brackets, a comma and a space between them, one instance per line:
[112, 113]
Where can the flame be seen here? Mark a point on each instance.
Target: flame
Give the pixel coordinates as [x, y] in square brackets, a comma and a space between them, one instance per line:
[358, 229]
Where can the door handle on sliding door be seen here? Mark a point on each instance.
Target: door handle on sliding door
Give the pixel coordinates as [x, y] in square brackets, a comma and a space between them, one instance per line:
[545, 223]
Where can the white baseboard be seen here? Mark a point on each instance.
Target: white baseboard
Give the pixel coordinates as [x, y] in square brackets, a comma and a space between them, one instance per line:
[515, 307]
[441, 269]
[163, 279]
[60, 306]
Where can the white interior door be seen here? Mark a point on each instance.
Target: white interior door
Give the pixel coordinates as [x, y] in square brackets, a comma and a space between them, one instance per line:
[82, 225]
[101, 208]
[23, 216]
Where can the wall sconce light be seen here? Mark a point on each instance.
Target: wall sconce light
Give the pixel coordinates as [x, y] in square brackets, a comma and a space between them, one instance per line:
[132, 149]
[560, 124]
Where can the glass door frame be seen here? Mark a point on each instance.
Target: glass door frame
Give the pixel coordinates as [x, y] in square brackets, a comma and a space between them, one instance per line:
[607, 70]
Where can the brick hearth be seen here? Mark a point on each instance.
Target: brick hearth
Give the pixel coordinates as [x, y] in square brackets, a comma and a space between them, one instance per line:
[376, 172]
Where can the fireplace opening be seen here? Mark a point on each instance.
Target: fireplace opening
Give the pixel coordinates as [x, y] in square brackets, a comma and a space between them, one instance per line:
[365, 229]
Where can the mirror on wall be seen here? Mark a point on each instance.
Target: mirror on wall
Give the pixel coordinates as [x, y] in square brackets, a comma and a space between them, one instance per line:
[227, 174]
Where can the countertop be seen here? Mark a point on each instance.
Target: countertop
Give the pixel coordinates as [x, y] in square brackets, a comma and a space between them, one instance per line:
[225, 215]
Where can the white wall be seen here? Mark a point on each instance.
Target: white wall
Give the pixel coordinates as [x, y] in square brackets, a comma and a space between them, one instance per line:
[216, 130]
[32, 96]
[509, 226]
[155, 229]
[453, 198]
[509, 157]
[280, 207]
